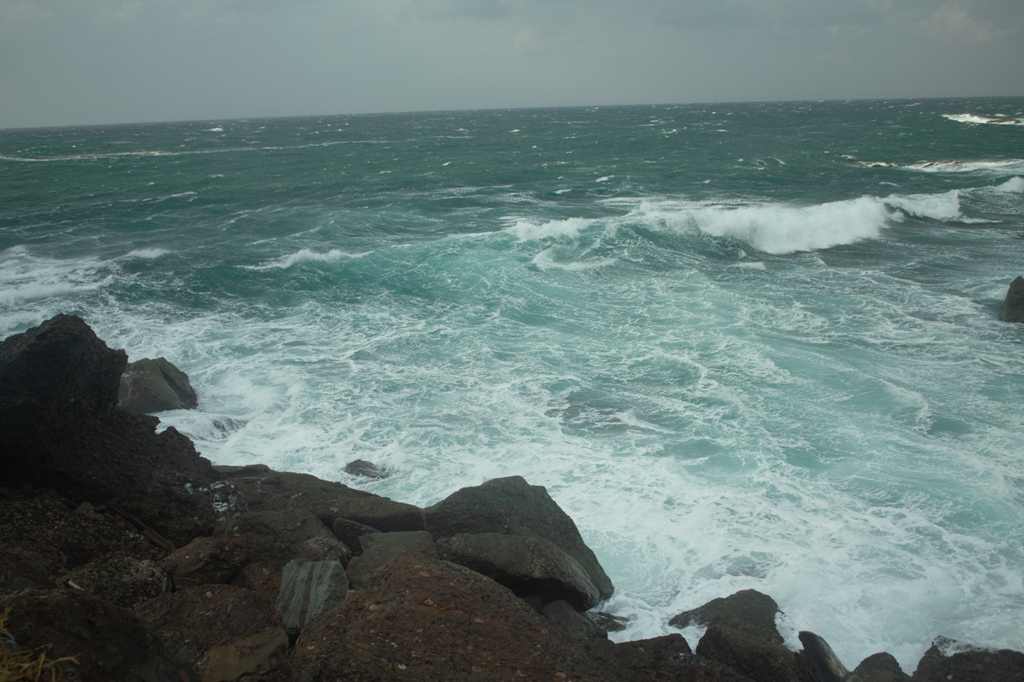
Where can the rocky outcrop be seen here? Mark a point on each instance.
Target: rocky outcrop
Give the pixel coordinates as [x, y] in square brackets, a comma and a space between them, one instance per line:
[149, 386]
[747, 611]
[308, 588]
[360, 467]
[1013, 305]
[60, 428]
[511, 506]
[948, 660]
[381, 548]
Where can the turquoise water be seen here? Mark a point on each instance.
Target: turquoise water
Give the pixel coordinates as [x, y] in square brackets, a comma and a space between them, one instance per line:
[743, 345]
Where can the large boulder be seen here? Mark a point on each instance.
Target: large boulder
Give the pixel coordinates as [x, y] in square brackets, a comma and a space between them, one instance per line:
[747, 611]
[881, 667]
[529, 566]
[512, 506]
[276, 537]
[380, 548]
[948, 660]
[149, 386]
[60, 428]
[308, 588]
[1013, 306]
[108, 641]
[208, 560]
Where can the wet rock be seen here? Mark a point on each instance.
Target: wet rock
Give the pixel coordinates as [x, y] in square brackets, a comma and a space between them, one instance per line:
[514, 507]
[879, 668]
[360, 467]
[268, 490]
[208, 560]
[747, 611]
[109, 642]
[349, 532]
[574, 624]
[824, 660]
[526, 565]
[276, 537]
[381, 548]
[149, 386]
[60, 428]
[211, 624]
[123, 580]
[22, 570]
[755, 657]
[1013, 305]
[607, 621]
[948, 660]
[308, 588]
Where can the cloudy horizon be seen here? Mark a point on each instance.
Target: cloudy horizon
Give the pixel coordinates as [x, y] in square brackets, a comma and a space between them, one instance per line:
[121, 61]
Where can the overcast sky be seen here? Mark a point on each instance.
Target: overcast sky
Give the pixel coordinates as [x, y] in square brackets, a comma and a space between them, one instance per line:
[69, 62]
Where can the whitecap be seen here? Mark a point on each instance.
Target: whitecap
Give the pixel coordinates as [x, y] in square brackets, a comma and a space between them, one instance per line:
[548, 260]
[1014, 185]
[553, 229]
[305, 256]
[604, 178]
[147, 254]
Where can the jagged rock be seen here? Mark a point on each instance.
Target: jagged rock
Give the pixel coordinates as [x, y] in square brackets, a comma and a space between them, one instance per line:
[149, 386]
[66, 539]
[514, 507]
[381, 548]
[607, 621]
[422, 619]
[360, 467]
[1013, 305]
[824, 660]
[276, 537]
[879, 668]
[349, 532]
[526, 565]
[308, 588]
[110, 642]
[59, 428]
[121, 580]
[208, 560]
[268, 490]
[948, 660]
[754, 656]
[574, 624]
[747, 611]
[222, 630]
[22, 570]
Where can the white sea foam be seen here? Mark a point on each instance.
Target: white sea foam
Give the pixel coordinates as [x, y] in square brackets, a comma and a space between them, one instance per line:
[549, 259]
[554, 229]
[1014, 185]
[306, 256]
[975, 119]
[147, 254]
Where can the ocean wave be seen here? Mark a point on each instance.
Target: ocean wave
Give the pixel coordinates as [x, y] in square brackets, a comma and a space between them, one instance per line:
[548, 260]
[975, 119]
[305, 256]
[570, 228]
[147, 254]
[1000, 166]
[1014, 185]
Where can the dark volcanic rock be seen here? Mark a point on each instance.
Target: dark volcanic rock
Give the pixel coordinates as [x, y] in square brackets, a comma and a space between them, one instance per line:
[880, 668]
[268, 490]
[824, 660]
[22, 570]
[526, 565]
[149, 386]
[1013, 306]
[514, 507]
[755, 657]
[381, 548]
[223, 631]
[948, 660]
[59, 428]
[747, 611]
[122, 580]
[573, 623]
[110, 643]
[349, 532]
[276, 537]
[360, 467]
[208, 560]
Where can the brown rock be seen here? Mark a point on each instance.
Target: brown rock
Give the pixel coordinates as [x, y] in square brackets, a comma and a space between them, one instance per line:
[207, 625]
[880, 668]
[208, 560]
[121, 580]
[277, 537]
[22, 570]
[747, 611]
[108, 641]
[755, 657]
[349, 533]
[380, 548]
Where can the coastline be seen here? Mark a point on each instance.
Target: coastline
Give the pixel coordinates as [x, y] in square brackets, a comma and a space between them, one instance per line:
[192, 563]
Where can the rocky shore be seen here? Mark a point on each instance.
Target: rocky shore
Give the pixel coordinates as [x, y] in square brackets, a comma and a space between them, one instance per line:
[127, 551]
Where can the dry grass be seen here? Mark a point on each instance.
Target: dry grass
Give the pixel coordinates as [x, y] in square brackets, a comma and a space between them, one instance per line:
[34, 666]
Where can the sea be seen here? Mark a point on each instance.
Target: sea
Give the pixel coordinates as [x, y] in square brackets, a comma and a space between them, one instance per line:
[741, 345]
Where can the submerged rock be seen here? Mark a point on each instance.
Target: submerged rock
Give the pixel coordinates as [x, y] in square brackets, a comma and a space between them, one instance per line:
[149, 386]
[1013, 306]
[948, 660]
[360, 467]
